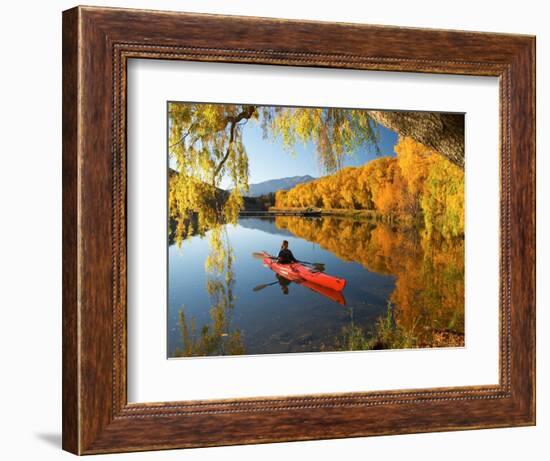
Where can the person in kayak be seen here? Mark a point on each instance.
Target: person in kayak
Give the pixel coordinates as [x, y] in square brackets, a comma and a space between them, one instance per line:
[285, 256]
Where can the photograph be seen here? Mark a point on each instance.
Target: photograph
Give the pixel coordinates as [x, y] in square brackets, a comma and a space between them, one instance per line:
[313, 229]
[265, 231]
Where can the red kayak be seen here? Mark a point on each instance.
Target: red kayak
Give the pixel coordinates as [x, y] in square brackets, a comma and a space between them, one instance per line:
[297, 272]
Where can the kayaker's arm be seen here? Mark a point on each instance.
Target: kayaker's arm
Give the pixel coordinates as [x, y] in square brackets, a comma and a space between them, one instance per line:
[291, 257]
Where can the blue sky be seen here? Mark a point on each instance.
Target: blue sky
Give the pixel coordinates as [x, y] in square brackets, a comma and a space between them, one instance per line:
[268, 160]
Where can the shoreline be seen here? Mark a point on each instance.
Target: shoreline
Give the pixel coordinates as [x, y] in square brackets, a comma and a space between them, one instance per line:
[273, 211]
[371, 216]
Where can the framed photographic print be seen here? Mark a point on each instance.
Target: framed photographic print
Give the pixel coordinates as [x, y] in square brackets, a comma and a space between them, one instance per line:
[281, 230]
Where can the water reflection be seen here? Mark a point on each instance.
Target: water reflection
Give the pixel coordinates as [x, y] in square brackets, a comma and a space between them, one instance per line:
[428, 300]
[218, 337]
[284, 283]
[405, 289]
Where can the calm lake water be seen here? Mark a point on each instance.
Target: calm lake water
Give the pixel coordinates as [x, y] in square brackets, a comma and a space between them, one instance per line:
[421, 278]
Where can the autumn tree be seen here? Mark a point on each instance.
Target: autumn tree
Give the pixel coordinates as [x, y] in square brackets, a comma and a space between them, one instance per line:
[417, 184]
[206, 148]
[334, 132]
[206, 145]
[443, 199]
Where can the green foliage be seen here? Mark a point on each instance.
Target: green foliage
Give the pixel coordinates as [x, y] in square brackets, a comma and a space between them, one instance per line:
[353, 338]
[389, 335]
[385, 335]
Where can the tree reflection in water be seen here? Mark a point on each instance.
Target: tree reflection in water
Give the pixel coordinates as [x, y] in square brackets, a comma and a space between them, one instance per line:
[425, 309]
[215, 338]
[427, 306]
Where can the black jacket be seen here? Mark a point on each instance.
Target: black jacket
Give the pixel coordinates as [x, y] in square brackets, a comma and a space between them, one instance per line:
[286, 257]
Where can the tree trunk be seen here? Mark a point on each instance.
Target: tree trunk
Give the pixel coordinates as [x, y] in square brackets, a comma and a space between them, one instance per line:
[247, 112]
[443, 133]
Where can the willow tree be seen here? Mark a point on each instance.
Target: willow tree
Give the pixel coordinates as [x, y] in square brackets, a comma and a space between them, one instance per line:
[206, 146]
[335, 133]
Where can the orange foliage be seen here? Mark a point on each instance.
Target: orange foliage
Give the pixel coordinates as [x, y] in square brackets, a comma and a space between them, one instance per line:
[429, 270]
[418, 183]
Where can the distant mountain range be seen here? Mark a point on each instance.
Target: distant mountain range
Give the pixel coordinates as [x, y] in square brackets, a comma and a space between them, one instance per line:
[273, 185]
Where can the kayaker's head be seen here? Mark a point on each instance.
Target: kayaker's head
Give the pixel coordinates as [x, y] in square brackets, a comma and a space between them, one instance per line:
[284, 246]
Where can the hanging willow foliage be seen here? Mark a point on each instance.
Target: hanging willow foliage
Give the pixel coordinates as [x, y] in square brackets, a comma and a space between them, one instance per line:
[334, 132]
[206, 146]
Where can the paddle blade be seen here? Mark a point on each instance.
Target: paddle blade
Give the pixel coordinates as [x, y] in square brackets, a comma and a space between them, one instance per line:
[261, 255]
[261, 287]
[319, 267]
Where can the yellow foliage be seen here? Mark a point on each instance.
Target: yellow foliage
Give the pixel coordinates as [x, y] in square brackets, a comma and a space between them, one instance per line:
[418, 183]
[429, 270]
[206, 146]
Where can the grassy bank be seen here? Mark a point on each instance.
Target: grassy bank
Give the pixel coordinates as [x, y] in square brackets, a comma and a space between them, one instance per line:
[386, 334]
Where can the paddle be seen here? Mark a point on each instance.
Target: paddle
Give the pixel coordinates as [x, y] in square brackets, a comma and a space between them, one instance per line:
[261, 287]
[317, 266]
